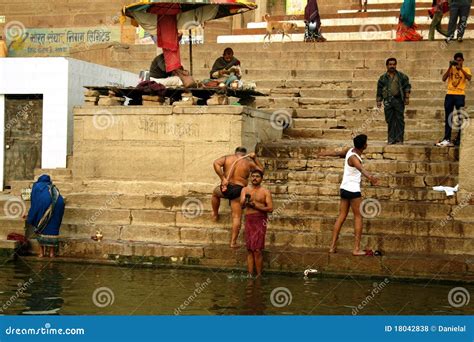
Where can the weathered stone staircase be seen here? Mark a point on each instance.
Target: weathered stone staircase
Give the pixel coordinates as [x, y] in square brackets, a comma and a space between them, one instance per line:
[343, 23]
[328, 92]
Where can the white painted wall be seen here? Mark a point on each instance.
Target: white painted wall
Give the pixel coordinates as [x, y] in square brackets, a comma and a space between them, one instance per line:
[61, 82]
[88, 74]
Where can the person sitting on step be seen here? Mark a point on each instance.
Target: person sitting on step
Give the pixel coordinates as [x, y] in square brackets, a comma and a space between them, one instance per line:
[226, 69]
[159, 74]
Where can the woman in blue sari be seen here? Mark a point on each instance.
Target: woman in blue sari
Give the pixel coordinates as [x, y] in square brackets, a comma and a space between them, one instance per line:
[406, 30]
[46, 214]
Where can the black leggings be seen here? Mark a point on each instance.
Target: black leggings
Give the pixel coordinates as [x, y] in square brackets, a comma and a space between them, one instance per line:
[450, 103]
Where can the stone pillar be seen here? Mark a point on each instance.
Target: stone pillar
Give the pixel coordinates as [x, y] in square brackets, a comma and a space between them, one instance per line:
[466, 159]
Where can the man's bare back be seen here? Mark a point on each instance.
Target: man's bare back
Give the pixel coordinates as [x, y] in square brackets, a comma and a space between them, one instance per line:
[241, 171]
[233, 171]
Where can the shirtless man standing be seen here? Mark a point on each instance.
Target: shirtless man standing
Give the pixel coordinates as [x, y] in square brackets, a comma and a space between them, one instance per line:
[234, 171]
[257, 202]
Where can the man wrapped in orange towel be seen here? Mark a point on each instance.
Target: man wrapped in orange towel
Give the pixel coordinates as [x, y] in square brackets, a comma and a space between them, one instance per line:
[258, 203]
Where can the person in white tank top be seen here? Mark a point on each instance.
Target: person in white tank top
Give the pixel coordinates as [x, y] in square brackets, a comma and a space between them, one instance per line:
[351, 196]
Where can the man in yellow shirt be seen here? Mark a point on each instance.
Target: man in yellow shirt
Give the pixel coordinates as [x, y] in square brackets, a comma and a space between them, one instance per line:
[457, 76]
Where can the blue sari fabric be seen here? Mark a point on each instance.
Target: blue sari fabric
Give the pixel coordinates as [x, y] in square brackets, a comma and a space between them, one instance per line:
[40, 202]
[407, 12]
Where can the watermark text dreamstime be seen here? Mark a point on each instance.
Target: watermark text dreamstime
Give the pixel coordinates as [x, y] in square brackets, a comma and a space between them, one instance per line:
[19, 292]
[46, 330]
[200, 287]
[378, 287]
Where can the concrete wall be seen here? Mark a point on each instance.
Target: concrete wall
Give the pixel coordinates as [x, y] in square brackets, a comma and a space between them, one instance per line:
[47, 76]
[164, 144]
[61, 82]
[82, 74]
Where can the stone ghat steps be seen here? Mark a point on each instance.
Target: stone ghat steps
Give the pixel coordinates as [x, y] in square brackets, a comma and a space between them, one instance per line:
[351, 100]
[88, 208]
[379, 28]
[8, 250]
[297, 203]
[294, 66]
[347, 103]
[291, 85]
[13, 206]
[323, 74]
[185, 214]
[63, 174]
[309, 149]
[354, 93]
[374, 133]
[137, 57]
[291, 56]
[64, 185]
[433, 169]
[12, 209]
[386, 180]
[308, 62]
[331, 191]
[221, 257]
[93, 207]
[408, 49]
[11, 225]
[292, 72]
[376, 48]
[356, 124]
[404, 235]
[374, 11]
[61, 177]
[417, 116]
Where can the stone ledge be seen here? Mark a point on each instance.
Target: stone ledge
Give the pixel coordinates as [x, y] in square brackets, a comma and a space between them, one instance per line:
[160, 110]
[444, 268]
[9, 244]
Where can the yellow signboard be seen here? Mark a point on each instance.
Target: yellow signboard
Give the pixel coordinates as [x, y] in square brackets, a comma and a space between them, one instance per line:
[57, 42]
